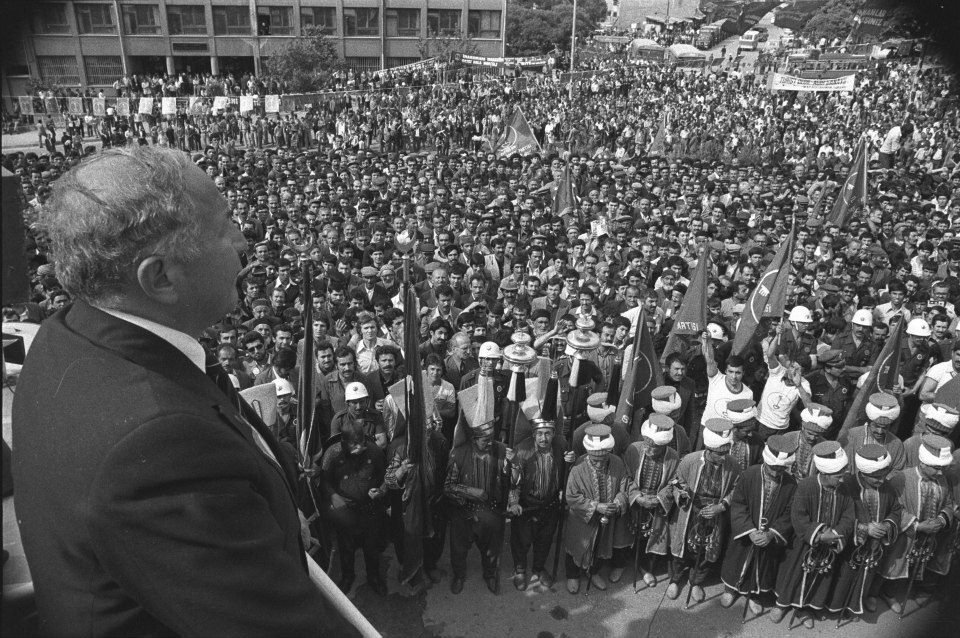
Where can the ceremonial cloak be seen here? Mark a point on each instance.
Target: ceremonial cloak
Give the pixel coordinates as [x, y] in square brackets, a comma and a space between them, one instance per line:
[909, 487]
[688, 474]
[636, 455]
[586, 486]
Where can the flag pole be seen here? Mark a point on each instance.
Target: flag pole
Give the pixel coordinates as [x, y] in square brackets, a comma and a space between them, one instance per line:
[573, 47]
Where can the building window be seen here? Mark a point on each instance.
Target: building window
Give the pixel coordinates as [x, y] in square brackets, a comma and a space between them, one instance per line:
[59, 69]
[186, 20]
[231, 21]
[443, 21]
[274, 21]
[323, 18]
[95, 18]
[362, 64]
[141, 19]
[483, 24]
[102, 69]
[395, 62]
[361, 22]
[51, 17]
[403, 23]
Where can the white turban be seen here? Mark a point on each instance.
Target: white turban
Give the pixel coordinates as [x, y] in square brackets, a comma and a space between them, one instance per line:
[941, 414]
[781, 458]
[874, 412]
[597, 444]
[831, 465]
[822, 421]
[715, 441]
[740, 417]
[666, 407]
[942, 459]
[869, 466]
[655, 434]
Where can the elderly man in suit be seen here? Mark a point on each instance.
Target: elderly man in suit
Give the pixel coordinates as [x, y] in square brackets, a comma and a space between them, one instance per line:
[150, 500]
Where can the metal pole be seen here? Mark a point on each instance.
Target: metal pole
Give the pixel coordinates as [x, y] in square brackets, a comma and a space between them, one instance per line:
[573, 47]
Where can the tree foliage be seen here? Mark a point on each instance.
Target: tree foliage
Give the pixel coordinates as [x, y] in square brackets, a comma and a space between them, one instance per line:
[305, 63]
[540, 27]
[440, 46]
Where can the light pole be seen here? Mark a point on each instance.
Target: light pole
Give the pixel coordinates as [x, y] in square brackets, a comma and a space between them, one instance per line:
[573, 46]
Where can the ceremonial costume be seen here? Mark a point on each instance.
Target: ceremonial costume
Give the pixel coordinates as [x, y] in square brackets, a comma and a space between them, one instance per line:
[815, 422]
[882, 410]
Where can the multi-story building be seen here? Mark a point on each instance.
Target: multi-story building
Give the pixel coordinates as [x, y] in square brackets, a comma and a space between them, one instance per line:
[91, 43]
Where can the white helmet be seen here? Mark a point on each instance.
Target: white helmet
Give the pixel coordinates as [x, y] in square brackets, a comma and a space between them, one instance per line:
[355, 390]
[918, 328]
[489, 350]
[863, 317]
[715, 331]
[284, 387]
[800, 314]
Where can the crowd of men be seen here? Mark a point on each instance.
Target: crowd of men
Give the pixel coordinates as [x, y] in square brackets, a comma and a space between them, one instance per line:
[740, 465]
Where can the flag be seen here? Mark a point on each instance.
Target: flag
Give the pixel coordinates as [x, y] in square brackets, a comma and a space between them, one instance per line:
[691, 319]
[417, 520]
[821, 200]
[643, 375]
[882, 377]
[768, 297]
[565, 200]
[854, 188]
[657, 146]
[517, 138]
[308, 436]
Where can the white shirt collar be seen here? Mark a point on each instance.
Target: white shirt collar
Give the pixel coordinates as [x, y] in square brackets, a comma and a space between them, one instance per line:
[183, 342]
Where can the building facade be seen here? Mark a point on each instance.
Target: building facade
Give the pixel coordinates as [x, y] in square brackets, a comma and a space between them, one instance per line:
[85, 43]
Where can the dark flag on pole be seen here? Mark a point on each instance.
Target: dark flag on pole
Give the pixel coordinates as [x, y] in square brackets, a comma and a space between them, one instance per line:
[565, 200]
[854, 189]
[517, 137]
[768, 298]
[643, 375]
[308, 438]
[658, 145]
[691, 319]
[882, 377]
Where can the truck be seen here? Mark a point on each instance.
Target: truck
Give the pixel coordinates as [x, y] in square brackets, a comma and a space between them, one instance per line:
[749, 41]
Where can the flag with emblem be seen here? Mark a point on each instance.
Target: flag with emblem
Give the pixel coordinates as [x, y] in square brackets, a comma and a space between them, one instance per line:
[768, 297]
[691, 319]
[565, 200]
[882, 377]
[854, 190]
[517, 137]
[658, 145]
[643, 375]
[821, 200]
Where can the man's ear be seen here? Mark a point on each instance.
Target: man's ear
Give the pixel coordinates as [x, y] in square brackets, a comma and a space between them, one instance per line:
[156, 279]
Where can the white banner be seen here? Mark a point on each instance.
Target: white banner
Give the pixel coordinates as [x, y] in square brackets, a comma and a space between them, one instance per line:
[146, 106]
[781, 82]
[246, 103]
[221, 102]
[272, 104]
[168, 106]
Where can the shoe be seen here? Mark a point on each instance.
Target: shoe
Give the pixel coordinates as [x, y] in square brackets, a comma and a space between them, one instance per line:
[650, 579]
[893, 604]
[777, 614]
[598, 582]
[755, 607]
[807, 620]
[346, 584]
[456, 585]
[870, 603]
[616, 574]
[520, 581]
[698, 594]
[546, 580]
[573, 585]
[673, 591]
[727, 599]
[534, 579]
[434, 575]
[493, 585]
[378, 586]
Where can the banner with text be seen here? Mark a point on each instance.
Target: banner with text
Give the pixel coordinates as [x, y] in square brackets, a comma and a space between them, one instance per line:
[782, 82]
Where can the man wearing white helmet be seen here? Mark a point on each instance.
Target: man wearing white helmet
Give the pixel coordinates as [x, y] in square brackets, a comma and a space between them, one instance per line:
[916, 357]
[493, 382]
[358, 411]
[857, 344]
[285, 427]
[797, 341]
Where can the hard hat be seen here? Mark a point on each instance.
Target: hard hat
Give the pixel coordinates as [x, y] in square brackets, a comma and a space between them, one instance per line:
[489, 350]
[863, 317]
[715, 331]
[800, 314]
[284, 387]
[355, 390]
[918, 328]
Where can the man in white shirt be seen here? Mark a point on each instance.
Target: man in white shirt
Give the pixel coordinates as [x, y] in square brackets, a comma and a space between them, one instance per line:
[784, 387]
[723, 387]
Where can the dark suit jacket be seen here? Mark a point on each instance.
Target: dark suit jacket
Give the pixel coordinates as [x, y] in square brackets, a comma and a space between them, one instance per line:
[145, 506]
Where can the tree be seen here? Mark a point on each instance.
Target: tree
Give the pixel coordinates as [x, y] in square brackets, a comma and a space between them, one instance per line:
[441, 46]
[305, 64]
[533, 30]
[834, 20]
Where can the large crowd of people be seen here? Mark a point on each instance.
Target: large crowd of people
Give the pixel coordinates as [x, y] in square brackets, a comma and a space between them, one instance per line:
[740, 464]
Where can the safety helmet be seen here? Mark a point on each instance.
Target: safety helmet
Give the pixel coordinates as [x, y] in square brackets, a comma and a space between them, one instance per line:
[801, 314]
[489, 350]
[284, 387]
[918, 328]
[863, 317]
[355, 390]
[715, 331]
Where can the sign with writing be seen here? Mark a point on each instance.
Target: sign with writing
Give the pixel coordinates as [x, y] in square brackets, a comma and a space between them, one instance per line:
[782, 82]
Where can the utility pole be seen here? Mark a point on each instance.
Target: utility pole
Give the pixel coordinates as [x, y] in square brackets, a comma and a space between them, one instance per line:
[573, 47]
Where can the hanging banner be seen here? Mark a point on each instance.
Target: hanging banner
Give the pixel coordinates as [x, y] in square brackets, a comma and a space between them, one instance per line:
[99, 106]
[221, 103]
[75, 106]
[26, 105]
[197, 106]
[168, 106]
[782, 82]
[123, 106]
[272, 104]
[146, 106]
[246, 103]
[50, 104]
[406, 67]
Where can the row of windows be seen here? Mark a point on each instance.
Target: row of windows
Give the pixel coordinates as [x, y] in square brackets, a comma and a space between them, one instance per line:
[63, 69]
[144, 19]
